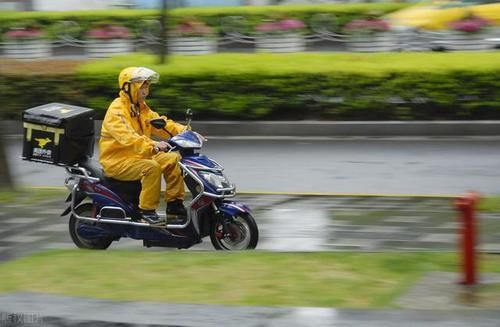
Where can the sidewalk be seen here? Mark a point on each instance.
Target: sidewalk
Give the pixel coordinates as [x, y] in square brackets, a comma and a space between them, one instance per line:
[345, 223]
[52, 310]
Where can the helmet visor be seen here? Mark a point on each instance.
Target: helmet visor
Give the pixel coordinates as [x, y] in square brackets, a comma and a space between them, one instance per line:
[142, 74]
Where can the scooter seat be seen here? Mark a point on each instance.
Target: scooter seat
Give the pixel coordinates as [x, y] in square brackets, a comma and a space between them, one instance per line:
[127, 190]
[93, 168]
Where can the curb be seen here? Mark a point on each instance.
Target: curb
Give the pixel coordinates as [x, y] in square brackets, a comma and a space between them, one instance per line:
[325, 128]
[310, 194]
[349, 129]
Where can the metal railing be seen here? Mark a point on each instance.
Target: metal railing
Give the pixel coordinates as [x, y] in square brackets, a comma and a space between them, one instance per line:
[234, 33]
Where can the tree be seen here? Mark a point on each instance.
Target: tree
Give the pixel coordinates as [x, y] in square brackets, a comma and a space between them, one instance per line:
[5, 177]
[163, 32]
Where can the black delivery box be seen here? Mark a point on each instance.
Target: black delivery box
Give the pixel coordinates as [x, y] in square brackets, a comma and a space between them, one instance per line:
[58, 133]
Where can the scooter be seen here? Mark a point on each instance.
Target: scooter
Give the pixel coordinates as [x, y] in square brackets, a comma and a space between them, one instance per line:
[104, 210]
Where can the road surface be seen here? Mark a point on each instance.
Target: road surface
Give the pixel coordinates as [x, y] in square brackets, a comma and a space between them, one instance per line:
[394, 166]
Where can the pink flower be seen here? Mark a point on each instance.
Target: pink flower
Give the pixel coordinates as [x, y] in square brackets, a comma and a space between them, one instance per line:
[193, 28]
[268, 27]
[291, 24]
[24, 33]
[368, 25]
[109, 32]
[282, 25]
[470, 25]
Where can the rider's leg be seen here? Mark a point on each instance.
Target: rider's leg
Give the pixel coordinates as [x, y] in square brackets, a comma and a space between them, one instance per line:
[174, 193]
[172, 175]
[148, 171]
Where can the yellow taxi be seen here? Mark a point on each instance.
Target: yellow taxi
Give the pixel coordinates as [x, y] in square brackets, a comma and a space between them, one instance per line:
[437, 15]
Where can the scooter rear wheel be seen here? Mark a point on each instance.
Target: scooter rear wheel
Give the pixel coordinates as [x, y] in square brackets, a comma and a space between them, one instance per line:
[86, 210]
[235, 233]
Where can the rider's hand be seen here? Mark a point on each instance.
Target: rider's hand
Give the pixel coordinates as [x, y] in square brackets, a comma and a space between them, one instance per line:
[161, 146]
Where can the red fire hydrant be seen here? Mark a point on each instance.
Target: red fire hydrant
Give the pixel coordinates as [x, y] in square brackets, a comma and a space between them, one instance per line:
[466, 205]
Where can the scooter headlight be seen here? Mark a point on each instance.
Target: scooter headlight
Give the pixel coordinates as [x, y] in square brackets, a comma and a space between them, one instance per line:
[188, 144]
[219, 181]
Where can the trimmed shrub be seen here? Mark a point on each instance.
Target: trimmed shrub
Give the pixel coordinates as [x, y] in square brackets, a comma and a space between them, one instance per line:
[333, 86]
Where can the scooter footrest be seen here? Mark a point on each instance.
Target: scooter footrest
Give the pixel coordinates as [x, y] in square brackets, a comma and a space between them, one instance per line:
[161, 223]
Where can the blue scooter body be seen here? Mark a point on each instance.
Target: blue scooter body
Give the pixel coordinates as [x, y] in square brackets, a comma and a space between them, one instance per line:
[116, 217]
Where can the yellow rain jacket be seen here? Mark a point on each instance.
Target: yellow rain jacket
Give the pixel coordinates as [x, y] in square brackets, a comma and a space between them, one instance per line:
[124, 136]
[127, 150]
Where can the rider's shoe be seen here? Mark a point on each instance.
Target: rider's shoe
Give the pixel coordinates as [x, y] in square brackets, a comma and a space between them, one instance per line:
[176, 212]
[151, 217]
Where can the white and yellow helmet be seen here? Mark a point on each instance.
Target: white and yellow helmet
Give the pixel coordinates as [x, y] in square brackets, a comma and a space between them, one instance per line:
[130, 81]
[137, 75]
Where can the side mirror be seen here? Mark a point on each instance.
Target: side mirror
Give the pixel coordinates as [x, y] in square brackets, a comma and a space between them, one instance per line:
[189, 117]
[158, 123]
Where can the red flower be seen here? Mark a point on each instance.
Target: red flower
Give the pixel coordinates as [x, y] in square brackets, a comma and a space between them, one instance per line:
[368, 25]
[24, 34]
[282, 25]
[470, 25]
[291, 24]
[268, 27]
[193, 28]
[109, 32]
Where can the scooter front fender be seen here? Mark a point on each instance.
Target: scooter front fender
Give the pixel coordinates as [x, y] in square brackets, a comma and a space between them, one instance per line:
[233, 208]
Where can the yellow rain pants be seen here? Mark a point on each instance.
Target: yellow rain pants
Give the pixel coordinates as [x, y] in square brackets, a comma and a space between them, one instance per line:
[149, 171]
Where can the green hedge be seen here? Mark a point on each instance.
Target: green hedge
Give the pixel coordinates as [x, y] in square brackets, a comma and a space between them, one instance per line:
[335, 86]
[254, 15]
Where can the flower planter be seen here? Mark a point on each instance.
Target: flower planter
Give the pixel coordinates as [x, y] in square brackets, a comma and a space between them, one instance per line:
[27, 49]
[378, 42]
[409, 39]
[108, 48]
[289, 42]
[462, 41]
[493, 38]
[192, 45]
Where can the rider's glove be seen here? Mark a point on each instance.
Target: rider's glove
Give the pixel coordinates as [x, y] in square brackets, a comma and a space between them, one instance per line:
[161, 146]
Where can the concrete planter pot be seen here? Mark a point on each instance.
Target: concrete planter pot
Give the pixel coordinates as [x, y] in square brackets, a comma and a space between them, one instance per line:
[461, 41]
[27, 49]
[193, 45]
[377, 42]
[108, 48]
[289, 42]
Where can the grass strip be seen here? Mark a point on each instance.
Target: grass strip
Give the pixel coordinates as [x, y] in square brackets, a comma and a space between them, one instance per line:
[353, 280]
[30, 196]
[490, 204]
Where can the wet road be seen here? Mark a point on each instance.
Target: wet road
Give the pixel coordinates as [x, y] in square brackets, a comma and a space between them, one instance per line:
[286, 223]
[400, 166]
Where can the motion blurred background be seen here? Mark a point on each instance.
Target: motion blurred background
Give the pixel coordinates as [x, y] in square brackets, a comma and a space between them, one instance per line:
[258, 60]
[264, 61]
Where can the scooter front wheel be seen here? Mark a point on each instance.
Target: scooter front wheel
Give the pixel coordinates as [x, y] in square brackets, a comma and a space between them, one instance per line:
[238, 232]
[86, 210]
